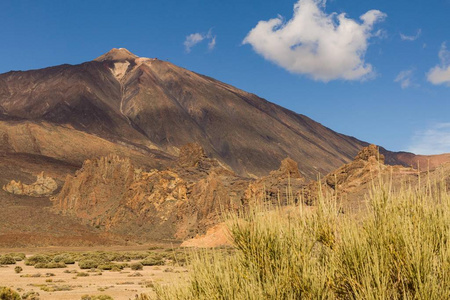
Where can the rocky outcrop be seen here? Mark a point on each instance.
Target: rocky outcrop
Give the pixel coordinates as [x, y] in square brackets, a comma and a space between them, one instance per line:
[351, 181]
[280, 186]
[217, 236]
[186, 200]
[43, 187]
[97, 187]
[191, 155]
[180, 202]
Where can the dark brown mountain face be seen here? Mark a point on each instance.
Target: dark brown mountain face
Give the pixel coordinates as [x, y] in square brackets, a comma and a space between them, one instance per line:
[147, 108]
[154, 107]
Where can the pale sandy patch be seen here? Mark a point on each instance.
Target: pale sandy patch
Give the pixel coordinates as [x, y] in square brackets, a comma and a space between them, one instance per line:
[118, 285]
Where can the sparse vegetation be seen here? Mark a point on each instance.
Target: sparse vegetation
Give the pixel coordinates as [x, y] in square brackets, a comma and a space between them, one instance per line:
[99, 297]
[38, 258]
[88, 264]
[64, 258]
[152, 261]
[8, 294]
[399, 249]
[50, 265]
[54, 287]
[32, 295]
[136, 266]
[126, 264]
[7, 260]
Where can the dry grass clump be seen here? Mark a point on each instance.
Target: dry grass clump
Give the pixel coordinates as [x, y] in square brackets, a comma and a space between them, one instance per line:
[400, 249]
[50, 265]
[8, 294]
[98, 297]
[136, 266]
[36, 259]
[7, 260]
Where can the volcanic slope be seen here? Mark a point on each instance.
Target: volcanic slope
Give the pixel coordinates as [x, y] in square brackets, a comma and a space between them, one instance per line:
[146, 109]
[152, 108]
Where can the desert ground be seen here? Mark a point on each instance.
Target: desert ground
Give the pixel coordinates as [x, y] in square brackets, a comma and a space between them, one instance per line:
[71, 282]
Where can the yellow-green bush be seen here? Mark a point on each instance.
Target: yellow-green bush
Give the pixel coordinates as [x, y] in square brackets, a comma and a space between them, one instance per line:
[7, 260]
[8, 294]
[398, 249]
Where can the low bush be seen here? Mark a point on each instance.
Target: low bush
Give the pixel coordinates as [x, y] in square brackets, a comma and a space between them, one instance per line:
[17, 256]
[18, 269]
[64, 258]
[50, 265]
[31, 295]
[152, 261]
[88, 264]
[38, 258]
[7, 260]
[136, 266]
[8, 294]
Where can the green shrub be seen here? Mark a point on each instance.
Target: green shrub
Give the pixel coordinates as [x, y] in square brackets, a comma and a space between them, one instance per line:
[8, 294]
[31, 295]
[18, 256]
[136, 255]
[67, 259]
[58, 258]
[136, 266]
[88, 264]
[38, 258]
[55, 288]
[107, 266]
[18, 269]
[7, 260]
[50, 265]
[152, 261]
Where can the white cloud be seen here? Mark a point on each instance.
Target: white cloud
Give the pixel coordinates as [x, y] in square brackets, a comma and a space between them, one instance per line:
[434, 140]
[196, 38]
[405, 78]
[381, 34]
[440, 74]
[324, 47]
[212, 43]
[192, 40]
[405, 37]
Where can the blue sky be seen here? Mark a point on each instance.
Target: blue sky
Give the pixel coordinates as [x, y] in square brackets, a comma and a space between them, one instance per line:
[390, 85]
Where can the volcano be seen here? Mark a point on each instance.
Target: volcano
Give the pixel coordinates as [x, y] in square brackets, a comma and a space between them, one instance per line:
[147, 109]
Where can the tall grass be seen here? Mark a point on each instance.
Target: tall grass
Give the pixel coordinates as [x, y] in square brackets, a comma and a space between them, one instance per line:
[399, 249]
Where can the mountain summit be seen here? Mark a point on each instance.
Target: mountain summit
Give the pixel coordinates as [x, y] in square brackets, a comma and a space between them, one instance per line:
[115, 54]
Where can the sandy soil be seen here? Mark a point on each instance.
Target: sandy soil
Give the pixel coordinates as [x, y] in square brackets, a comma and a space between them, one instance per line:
[119, 285]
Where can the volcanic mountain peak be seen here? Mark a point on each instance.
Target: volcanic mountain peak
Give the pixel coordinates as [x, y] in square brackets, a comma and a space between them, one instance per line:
[115, 54]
